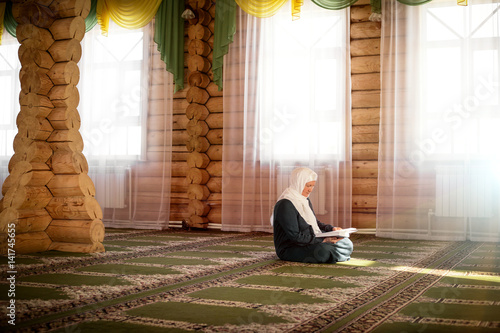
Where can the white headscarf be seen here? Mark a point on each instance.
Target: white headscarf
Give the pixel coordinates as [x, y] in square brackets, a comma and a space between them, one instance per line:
[298, 179]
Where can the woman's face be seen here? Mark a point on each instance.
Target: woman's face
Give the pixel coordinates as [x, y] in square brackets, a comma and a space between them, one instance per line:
[308, 188]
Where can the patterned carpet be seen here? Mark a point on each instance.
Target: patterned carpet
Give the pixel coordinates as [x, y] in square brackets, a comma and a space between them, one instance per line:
[209, 281]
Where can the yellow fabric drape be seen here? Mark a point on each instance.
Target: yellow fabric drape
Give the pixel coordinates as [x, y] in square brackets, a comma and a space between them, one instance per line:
[2, 13]
[130, 14]
[296, 4]
[261, 8]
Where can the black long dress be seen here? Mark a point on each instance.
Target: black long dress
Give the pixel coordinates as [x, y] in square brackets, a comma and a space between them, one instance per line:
[294, 238]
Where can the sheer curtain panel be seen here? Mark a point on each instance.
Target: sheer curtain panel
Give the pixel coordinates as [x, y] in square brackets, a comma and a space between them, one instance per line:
[286, 104]
[439, 166]
[126, 109]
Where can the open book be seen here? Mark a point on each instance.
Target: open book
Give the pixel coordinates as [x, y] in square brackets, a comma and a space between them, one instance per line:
[337, 233]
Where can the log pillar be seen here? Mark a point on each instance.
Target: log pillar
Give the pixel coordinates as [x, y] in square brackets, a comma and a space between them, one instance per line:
[48, 195]
[200, 45]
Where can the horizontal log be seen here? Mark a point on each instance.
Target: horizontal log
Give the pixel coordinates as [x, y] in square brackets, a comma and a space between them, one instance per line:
[69, 8]
[32, 220]
[74, 208]
[69, 162]
[34, 36]
[197, 95]
[360, 13]
[63, 118]
[213, 90]
[27, 197]
[67, 28]
[367, 116]
[197, 176]
[199, 31]
[370, 81]
[62, 185]
[62, 92]
[364, 151]
[214, 136]
[215, 215]
[27, 55]
[66, 50]
[364, 201]
[195, 221]
[71, 135]
[215, 168]
[32, 242]
[76, 231]
[198, 47]
[77, 247]
[198, 144]
[365, 134]
[197, 63]
[365, 47]
[365, 30]
[198, 160]
[215, 104]
[215, 120]
[366, 99]
[215, 184]
[215, 152]
[29, 178]
[197, 111]
[365, 64]
[198, 79]
[364, 220]
[179, 122]
[66, 72]
[364, 186]
[197, 128]
[198, 207]
[198, 192]
[365, 169]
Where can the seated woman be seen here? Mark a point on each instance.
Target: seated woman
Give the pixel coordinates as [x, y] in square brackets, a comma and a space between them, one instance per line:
[295, 224]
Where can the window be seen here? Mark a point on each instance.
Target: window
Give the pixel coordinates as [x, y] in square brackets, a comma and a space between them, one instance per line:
[460, 80]
[114, 89]
[302, 85]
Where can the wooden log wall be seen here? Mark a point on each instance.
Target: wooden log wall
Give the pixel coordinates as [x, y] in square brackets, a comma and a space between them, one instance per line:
[204, 121]
[198, 127]
[48, 195]
[365, 80]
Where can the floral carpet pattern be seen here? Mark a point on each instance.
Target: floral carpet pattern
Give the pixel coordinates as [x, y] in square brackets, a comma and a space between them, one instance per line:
[212, 281]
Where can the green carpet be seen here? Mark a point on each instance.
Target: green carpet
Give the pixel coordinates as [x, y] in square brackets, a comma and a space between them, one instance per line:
[294, 282]
[202, 313]
[27, 293]
[124, 269]
[117, 327]
[74, 280]
[172, 261]
[255, 296]
[213, 281]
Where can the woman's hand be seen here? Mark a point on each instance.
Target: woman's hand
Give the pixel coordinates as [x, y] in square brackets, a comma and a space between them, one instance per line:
[337, 228]
[333, 239]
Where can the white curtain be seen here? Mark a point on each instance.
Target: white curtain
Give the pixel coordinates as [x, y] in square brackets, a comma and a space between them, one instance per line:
[126, 112]
[439, 163]
[286, 104]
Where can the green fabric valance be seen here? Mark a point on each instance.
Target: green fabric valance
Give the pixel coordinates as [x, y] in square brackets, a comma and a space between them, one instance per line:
[334, 4]
[9, 22]
[169, 36]
[224, 30]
